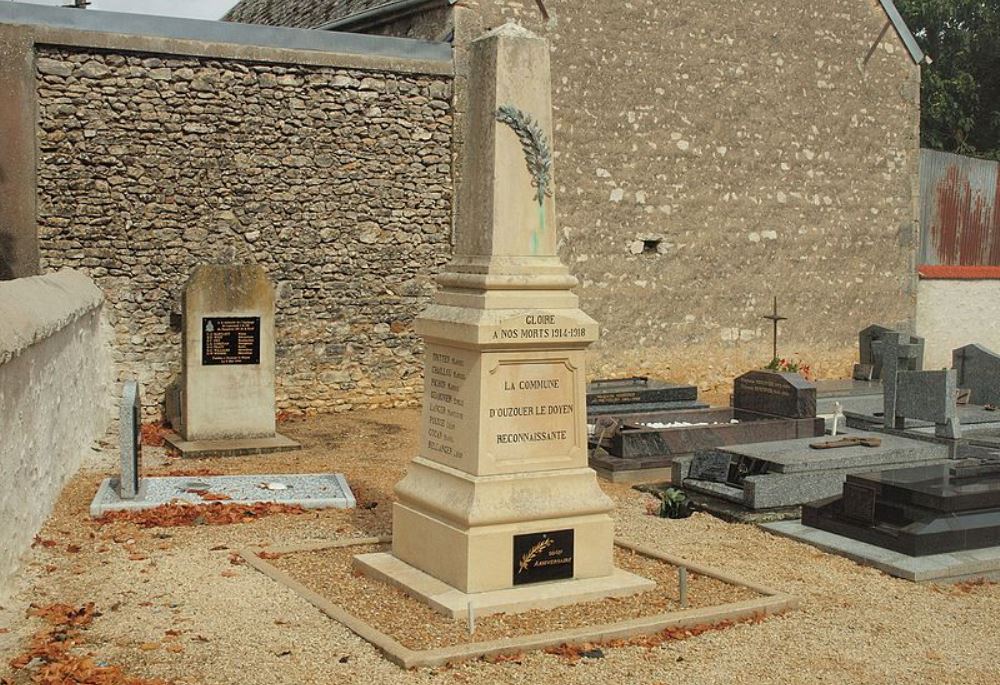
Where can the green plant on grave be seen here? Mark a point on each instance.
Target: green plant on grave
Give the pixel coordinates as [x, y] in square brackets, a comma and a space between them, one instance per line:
[674, 504]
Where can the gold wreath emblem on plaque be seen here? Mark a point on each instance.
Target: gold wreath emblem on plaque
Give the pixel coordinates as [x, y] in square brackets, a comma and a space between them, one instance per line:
[530, 555]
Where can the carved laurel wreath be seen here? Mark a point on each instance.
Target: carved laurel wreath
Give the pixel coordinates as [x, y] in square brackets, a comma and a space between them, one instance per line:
[534, 142]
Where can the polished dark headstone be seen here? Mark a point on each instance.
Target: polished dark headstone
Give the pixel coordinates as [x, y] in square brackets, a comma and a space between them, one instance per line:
[917, 511]
[776, 393]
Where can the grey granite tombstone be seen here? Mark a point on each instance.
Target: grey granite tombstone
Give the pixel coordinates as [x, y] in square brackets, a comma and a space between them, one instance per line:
[929, 396]
[978, 370]
[871, 350]
[775, 393]
[130, 441]
[900, 352]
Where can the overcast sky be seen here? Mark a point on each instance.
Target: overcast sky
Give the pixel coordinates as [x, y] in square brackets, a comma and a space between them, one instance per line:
[193, 9]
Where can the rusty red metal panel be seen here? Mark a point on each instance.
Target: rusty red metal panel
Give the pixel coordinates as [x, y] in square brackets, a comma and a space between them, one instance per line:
[960, 216]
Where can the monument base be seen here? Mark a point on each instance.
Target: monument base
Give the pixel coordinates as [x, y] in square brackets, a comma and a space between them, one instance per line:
[229, 448]
[454, 603]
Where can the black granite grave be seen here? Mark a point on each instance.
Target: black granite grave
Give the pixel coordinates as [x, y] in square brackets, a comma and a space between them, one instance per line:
[917, 511]
[639, 394]
[775, 393]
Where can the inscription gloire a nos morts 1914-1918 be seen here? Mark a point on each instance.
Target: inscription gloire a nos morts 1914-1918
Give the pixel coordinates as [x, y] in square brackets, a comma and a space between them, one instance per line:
[230, 340]
[540, 557]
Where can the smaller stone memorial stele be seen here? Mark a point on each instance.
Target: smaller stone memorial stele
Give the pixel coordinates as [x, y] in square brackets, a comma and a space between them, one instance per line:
[776, 393]
[227, 381]
[871, 345]
[921, 395]
[130, 440]
[499, 510]
[978, 371]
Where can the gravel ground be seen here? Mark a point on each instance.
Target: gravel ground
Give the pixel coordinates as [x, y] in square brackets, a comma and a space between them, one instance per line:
[415, 625]
[229, 624]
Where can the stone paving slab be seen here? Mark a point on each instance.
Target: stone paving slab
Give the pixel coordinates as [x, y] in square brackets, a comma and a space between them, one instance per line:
[310, 491]
[941, 568]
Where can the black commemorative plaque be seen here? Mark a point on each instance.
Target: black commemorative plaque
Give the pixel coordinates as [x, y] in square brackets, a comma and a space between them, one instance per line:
[859, 503]
[230, 340]
[540, 557]
[710, 465]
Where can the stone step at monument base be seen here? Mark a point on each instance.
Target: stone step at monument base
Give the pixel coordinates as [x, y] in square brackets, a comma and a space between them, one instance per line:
[790, 473]
[916, 511]
[230, 448]
[455, 604]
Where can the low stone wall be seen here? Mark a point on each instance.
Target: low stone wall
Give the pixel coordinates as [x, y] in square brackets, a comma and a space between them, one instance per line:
[55, 373]
[954, 312]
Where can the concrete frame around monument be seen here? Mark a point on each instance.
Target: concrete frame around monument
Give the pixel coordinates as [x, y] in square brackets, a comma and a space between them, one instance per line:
[771, 603]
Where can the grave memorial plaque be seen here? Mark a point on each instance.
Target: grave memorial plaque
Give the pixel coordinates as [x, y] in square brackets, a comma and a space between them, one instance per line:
[775, 393]
[540, 557]
[230, 340]
[710, 465]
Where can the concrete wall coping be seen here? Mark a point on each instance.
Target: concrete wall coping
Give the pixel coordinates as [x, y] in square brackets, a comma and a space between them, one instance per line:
[35, 308]
[193, 37]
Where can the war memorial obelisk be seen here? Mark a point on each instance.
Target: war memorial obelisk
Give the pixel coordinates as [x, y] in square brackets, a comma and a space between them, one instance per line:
[500, 509]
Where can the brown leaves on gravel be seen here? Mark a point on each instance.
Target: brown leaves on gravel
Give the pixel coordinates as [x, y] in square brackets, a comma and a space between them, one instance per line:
[153, 434]
[216, 514]
[577, 652]
[53, 657]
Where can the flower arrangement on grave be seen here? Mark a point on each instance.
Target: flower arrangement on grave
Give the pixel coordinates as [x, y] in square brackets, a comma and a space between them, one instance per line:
[791, 366]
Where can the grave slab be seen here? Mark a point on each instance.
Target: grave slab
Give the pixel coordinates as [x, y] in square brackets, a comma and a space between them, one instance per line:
[790, 473]
[310, 491]
[951, 567]
[639, 394]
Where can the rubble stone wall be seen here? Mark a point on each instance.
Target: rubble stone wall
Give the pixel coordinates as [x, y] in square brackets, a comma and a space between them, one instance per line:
[336, 180]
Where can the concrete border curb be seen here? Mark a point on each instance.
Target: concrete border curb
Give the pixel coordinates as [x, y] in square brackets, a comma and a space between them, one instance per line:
[772, 603]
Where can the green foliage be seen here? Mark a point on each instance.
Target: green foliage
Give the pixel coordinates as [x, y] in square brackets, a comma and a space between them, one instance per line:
[960, 94]
[674, 504]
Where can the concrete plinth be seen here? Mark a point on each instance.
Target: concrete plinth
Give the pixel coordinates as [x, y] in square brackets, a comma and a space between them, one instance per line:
[453, 603]
[230, 448]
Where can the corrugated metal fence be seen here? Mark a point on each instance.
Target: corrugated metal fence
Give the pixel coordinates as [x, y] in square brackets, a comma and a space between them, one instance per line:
[960, 216]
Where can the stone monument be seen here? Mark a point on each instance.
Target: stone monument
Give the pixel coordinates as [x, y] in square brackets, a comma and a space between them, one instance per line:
[227, 383]
[978, 371]
[499, 510]
[130, 440]
[921, 395]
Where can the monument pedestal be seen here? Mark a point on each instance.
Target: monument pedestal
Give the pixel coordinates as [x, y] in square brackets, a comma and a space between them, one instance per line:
[499, 511]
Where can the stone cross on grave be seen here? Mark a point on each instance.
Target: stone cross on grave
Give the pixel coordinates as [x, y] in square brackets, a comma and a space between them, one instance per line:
[895, 355]
[774, 318]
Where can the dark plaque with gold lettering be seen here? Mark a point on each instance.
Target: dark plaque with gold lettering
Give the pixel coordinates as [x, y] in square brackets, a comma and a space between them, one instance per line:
[230, 340]
[539, 557]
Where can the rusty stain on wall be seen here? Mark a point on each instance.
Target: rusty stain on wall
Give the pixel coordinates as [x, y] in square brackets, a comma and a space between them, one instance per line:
[960, 215]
